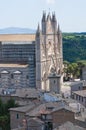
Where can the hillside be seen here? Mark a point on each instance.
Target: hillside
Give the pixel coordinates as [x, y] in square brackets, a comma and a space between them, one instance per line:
[74, 46]
[16, 30]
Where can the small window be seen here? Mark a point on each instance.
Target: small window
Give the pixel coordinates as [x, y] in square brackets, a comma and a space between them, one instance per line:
[17, 116]
[82, 99]
[54, 81]
[44, 117]
[76, 97]
[11, 76]
[79, 87]
[27, 77]
[79, 98]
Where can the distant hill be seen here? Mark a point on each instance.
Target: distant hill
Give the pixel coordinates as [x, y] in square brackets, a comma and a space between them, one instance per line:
[74, 46]
[17, 30]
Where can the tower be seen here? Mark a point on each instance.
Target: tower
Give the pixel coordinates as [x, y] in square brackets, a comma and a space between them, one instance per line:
[49, 56]
[54, 83]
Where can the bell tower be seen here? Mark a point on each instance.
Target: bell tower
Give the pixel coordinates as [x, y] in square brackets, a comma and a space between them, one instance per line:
[48, 50]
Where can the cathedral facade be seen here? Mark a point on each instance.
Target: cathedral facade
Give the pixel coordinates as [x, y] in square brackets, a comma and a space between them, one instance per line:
[49, 57]
[41, 53]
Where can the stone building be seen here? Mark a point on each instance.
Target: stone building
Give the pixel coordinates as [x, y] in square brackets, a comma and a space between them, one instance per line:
[80, 96]
[49, 56]
[35, 124]
[76, 86]
[53, 114]
[70, 126]
[84, 73]
[22, 96]
[42, 52]
[17, 115]
[54, 83]
[14, 55]
[14, 75]
[61, 115]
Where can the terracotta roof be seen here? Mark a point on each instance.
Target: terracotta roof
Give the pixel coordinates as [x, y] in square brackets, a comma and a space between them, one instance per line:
[34, 122]
[70, 126]
[17, 37]
[65, 107]
[45, 108]
[23, 109]
[26, 93]
[13, 65]
[80, 93]
[37, 111]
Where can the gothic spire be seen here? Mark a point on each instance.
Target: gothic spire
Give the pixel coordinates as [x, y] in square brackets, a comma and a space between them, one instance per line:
[54, 17]
[58, 30]
[48, 16]
[38, 30]
[59, 34]
[44, 16]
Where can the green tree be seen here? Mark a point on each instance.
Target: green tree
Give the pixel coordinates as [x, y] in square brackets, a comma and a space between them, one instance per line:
[75, 71]
[4, 113]
[74, 46]
[10, 104]
[81, 64]
[72, 70]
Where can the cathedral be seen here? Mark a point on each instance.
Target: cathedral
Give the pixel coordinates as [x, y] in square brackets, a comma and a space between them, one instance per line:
[32, 60]
[49, 58]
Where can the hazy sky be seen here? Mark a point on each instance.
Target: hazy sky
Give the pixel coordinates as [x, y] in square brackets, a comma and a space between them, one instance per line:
[71, 14]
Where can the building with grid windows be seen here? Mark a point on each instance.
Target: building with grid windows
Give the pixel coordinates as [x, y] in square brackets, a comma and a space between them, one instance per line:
[17, 61]
[32, 58]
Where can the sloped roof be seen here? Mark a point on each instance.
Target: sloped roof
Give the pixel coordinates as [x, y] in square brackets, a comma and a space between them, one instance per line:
[80, 93]
[23, 109]
[17, 37]
[66, 108]
[44, 108]
[70, 126]
[26, 92]
[13, 65]
[34, 122]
